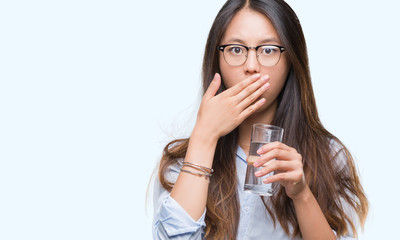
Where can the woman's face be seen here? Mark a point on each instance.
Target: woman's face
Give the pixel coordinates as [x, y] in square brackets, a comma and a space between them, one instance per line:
[252, 28]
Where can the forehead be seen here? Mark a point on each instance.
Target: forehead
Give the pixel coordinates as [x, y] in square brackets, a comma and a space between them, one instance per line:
[250, 27]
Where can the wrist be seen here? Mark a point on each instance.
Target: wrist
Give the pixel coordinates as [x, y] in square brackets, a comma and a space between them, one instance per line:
[304, 196]
[201, 148]
[205, 137]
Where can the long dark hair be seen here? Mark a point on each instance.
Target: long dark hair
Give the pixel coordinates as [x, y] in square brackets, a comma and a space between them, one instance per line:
[297, 114]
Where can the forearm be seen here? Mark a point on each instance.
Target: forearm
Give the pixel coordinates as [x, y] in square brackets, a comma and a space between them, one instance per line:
[312, 222]
[190, 191]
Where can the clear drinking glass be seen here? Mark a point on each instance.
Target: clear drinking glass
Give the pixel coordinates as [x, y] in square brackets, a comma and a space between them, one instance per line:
[261, 134]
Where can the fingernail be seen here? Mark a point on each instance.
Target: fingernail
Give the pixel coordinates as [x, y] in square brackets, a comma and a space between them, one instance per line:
[265, 77]
[258, 173]
[215, 77]
[259, 151]
[266, 180]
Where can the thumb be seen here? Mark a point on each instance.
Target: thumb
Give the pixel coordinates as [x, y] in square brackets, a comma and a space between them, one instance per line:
[213, 87]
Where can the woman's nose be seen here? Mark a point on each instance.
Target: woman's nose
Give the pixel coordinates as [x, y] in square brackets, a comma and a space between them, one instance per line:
[251, 65]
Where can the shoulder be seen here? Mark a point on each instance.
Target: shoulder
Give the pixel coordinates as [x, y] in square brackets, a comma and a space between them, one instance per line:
[176, 147]
[173, 170]
[343, 165]
[335, 145]
[339, 154]
[172, 159]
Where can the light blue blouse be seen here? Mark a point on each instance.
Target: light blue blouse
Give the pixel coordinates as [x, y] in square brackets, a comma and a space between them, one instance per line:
[172, 222]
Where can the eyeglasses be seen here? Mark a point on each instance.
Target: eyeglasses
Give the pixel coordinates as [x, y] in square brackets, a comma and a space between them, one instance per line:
[236, 54]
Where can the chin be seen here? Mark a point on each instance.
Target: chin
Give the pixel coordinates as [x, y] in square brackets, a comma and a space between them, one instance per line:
[267, 106]
[262, 108]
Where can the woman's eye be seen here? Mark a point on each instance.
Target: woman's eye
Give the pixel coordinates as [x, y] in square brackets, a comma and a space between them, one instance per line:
[236, 50]
[267, 51]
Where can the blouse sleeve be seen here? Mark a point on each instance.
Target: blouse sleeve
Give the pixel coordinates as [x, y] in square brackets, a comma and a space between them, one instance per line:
[340, 163]
[170, 220]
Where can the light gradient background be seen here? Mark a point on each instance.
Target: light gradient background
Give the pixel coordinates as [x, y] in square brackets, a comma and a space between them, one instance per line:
[90, 92]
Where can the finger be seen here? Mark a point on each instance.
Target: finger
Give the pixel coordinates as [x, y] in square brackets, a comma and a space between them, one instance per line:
[275, 165]
[292, 177]
[274, 145]
[213, 88]
[252, 88]
[251, 109]
[250, 99]
[242, 85]
[277, 154]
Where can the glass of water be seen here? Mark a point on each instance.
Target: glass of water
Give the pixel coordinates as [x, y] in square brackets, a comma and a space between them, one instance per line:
[261, 134]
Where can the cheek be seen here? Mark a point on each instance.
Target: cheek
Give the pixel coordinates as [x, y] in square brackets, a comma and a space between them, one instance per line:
[277, 80]
[229, 74]
[279, 76]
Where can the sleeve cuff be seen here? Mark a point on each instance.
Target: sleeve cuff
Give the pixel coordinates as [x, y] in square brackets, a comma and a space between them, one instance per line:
[176, 220]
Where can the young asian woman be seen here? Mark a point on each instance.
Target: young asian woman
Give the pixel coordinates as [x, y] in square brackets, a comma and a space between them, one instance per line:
[255, 70]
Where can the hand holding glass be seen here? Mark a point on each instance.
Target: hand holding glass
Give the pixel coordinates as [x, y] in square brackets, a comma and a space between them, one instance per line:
[261, 134]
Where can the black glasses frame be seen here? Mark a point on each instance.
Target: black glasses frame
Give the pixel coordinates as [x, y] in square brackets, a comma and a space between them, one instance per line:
[222, 47]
